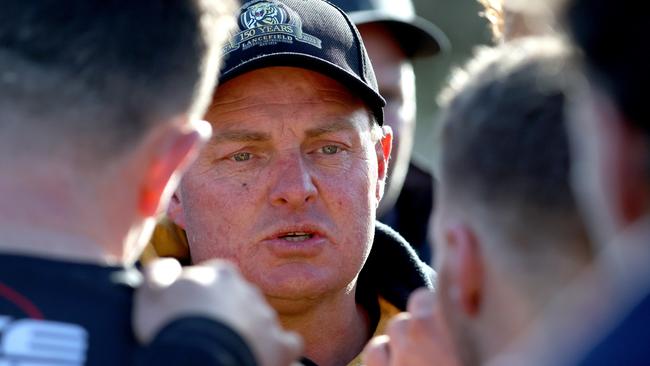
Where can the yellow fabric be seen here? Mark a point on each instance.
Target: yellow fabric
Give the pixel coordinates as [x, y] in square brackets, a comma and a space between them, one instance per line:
[386, 312]
[168, 240]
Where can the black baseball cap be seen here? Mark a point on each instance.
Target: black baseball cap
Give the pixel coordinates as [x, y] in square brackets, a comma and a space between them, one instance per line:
[311, 34]
[417, 36]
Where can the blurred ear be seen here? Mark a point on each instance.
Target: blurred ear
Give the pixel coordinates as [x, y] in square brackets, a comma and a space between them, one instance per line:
[465, 269]
[629, 168]
[173, 148]
[383, 148]
[175, 210]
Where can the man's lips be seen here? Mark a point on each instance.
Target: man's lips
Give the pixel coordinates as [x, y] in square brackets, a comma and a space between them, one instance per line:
[296, 232]
[296, 241]
[296, 236]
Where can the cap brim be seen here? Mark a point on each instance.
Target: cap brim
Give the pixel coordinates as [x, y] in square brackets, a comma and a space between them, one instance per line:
[417, 36]
[373, 100]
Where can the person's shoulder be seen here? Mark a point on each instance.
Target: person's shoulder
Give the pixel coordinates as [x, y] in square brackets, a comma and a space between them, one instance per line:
[37, 294]
[627, 342]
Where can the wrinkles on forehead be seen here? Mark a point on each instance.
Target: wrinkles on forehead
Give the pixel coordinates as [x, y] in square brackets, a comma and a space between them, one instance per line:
[234, 133]
[227, 105]
[278, 86]
[257, 99]
[240, 135]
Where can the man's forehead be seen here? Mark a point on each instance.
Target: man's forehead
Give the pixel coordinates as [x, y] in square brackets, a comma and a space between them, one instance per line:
[234, 131]
[274, 85]
[267, 102]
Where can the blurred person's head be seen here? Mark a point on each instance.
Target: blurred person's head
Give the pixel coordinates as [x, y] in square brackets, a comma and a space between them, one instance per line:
[512, 19]
[394, 35]
[610, 132]
[96, 100]
[494, 13]
[507, 231]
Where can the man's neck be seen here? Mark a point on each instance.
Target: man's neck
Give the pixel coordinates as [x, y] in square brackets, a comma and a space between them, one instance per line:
[51, 216]
[507, 310]
[334, 331]
[576, 316]
[52, 244]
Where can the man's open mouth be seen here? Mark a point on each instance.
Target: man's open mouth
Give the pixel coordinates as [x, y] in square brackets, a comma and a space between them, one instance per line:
[296, 236]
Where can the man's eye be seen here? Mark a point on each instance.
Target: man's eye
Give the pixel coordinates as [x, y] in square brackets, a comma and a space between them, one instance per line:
[242, 156]
[330, 149]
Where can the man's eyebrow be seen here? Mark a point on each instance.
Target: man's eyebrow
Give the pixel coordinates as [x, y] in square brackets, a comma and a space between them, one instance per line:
[334, 126]
[240, 136]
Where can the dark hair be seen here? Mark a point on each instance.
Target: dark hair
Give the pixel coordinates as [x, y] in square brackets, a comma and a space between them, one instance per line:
[613, 37]
[95, 75]
[503, 139]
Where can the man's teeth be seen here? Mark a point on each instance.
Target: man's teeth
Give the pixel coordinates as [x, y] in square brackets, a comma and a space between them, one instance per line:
[297, 236]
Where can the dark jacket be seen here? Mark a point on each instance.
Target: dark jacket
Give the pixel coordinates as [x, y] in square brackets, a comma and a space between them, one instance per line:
[393, 269]
[410, 214]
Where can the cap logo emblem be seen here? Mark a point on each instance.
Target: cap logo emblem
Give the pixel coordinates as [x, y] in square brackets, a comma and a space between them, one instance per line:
[262, 14]
[267, 23]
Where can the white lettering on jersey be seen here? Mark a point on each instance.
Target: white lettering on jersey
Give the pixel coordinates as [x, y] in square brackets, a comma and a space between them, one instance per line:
[31, 342]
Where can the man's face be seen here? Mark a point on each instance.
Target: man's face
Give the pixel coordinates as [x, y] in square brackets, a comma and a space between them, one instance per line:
[288, 186]
[396, 82]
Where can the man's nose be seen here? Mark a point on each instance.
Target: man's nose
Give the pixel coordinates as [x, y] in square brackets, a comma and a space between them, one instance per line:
[294, 185]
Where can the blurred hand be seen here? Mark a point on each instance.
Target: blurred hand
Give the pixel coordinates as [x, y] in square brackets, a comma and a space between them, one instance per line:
[415, 338]
[217, 291]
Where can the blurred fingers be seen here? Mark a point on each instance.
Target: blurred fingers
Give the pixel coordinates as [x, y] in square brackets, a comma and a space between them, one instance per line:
[422, 302]
[377, 352]
[161, 273]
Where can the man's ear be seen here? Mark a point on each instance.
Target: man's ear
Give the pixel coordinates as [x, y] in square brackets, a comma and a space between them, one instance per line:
[383, 148]
[173, 148]
[465, 267]
[175, 210]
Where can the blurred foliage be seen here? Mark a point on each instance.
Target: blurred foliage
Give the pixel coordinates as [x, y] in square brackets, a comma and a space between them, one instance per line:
[466, 29]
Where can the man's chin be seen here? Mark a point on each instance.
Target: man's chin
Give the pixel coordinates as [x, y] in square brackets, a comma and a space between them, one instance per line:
[288, 306]
[293, 291]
